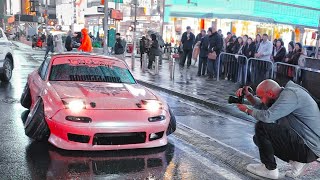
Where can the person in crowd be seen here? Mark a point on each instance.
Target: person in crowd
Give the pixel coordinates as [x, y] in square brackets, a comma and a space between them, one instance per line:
[250, 49]
[86, 45]
[50, 45]
[215, 47]
[238, 46]
[142, 48]
[199, 36]
[34, 41]
[265, 49]
[230, 44]
[297, 52]
[203, 55]
[118, 47]
[290, 52]
[257, 42]
[43, 37]
[68, 43]
[279, 51]
[187, 41]
[288, 127]
[226, 40]
[154, 50]
[58, 43]
[222, 40]
[245, 44]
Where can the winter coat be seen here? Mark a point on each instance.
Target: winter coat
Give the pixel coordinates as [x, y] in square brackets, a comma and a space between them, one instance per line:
[249, 50]
[204, 47]
[118, 47]
[215, 43]
[58, 42]
[279, 55]
[187, 43]
[86, 44]
[68, 43]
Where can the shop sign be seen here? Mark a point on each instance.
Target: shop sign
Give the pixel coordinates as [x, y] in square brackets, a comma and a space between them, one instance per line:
[116, 14]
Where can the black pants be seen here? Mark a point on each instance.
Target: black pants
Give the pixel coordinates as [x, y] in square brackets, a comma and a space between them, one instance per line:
[186, 53]
[202, 68]
[281, 141]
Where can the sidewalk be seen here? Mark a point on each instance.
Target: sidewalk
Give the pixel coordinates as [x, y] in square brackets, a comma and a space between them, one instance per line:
[189, 86]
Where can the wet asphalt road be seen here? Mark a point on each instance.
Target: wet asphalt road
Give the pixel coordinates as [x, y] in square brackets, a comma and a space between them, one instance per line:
[22, 158]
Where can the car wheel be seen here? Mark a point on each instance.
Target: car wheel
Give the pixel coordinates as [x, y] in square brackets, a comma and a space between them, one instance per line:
[36, 126]
[173, 123]
[6, 75]
[25, 99]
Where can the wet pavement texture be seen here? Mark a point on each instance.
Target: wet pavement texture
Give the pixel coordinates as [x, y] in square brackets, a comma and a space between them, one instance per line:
[22, 158]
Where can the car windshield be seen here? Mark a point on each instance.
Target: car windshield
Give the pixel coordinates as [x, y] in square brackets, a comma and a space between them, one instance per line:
[112, 74]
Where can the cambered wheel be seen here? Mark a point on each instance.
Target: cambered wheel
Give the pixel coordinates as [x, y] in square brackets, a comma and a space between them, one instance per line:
[173, 123]
[6, 75]
[25, 99]
[36, 126]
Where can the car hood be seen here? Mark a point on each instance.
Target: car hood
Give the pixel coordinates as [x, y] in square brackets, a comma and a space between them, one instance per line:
[104, 95]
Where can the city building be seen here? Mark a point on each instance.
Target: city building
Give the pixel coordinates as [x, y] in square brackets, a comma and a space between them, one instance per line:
[289, 20]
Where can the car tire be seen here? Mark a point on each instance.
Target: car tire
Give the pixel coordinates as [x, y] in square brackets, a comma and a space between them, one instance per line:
[25, 99]
[6, 75]
[36, 126]
[172, 124]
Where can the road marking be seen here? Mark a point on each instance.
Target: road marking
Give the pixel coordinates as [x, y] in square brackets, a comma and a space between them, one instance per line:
[205, 161]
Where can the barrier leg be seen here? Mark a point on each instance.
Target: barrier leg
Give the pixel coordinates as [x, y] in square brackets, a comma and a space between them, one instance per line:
[144, 62]
[156, 69]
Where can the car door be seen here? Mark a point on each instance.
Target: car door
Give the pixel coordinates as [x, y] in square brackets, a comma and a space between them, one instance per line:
[38, 82]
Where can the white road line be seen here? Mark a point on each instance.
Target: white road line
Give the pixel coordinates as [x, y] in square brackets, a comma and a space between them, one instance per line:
[205, 161]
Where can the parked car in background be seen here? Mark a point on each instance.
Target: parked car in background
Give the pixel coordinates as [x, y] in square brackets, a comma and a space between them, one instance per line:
[6, 58]
[310, 50]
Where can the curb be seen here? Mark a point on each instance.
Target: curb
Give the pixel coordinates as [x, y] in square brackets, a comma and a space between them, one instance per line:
[228, 155]
[211, 104]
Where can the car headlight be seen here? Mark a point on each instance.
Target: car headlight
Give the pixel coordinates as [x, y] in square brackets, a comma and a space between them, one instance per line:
[152, 105]
[156, 118]
[75, 105]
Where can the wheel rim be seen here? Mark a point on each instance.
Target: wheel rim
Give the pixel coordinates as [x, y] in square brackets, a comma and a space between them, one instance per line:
[7, 69]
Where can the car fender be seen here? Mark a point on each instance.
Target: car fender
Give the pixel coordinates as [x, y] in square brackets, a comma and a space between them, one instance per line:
[51, 100]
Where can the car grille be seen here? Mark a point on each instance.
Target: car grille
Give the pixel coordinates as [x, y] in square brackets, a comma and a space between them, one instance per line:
[119, 138]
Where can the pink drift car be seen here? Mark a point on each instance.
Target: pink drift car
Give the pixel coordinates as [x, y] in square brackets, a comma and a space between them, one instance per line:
[89, 102]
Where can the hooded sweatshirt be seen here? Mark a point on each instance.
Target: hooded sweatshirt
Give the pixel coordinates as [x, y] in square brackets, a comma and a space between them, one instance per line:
[86, 45]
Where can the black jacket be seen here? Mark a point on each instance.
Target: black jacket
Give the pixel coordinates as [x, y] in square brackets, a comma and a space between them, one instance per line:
[230, 47]
[198, 38]
[215, 43]
[50, 40]
[187, 43]
[204, 46]
[236, 48]
[142, 46]
[280, 55]
[118, 48]
[154, 49]
[249, 50]
[68, 43]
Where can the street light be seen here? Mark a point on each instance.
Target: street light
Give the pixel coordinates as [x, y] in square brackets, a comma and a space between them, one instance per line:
[135, 3]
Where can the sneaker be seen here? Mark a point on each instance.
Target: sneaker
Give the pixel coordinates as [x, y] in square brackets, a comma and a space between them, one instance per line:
[261, 170]
[297, 169]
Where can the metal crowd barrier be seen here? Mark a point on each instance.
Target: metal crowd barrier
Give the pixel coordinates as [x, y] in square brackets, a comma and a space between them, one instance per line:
[172, 66]
[156, 68]
[312, 63]
[259, 70]
[233, 67]
[144, 62]
[284, 72]
[310, 79]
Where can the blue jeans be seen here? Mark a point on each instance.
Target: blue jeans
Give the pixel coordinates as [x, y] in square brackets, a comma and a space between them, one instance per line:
[212, 68]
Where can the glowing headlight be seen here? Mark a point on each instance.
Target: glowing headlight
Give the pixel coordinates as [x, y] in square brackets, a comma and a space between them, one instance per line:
[76, 105]
[152, 105]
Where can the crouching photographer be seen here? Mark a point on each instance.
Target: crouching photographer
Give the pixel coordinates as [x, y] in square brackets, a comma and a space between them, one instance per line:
[288, 126]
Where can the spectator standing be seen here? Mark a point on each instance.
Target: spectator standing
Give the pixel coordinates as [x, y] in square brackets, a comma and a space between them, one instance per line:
[50, 46]
[68, 43]
[142, 48]
[86, 45]
[250, 50]
[215, 45]
[279, 51]
[58, 43]
[290, 53]
[154, 50]
[257, 42]
[297, 52]
[118, 47]
[265, 49]
[226, 40]
[203, 56]
[187, 41]
[199, 36]
[230, 44]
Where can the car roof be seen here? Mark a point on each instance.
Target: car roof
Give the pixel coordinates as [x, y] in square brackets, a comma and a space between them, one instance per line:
[118, 62]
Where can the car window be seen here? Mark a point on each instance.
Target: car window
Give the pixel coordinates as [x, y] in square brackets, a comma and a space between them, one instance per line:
[112, 74]
[44, 69]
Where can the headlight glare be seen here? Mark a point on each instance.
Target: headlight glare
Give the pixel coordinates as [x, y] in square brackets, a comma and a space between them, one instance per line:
[152, 105]
[75, 105]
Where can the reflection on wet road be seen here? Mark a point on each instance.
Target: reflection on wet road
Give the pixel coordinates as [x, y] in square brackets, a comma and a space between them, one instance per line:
[22, 158]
